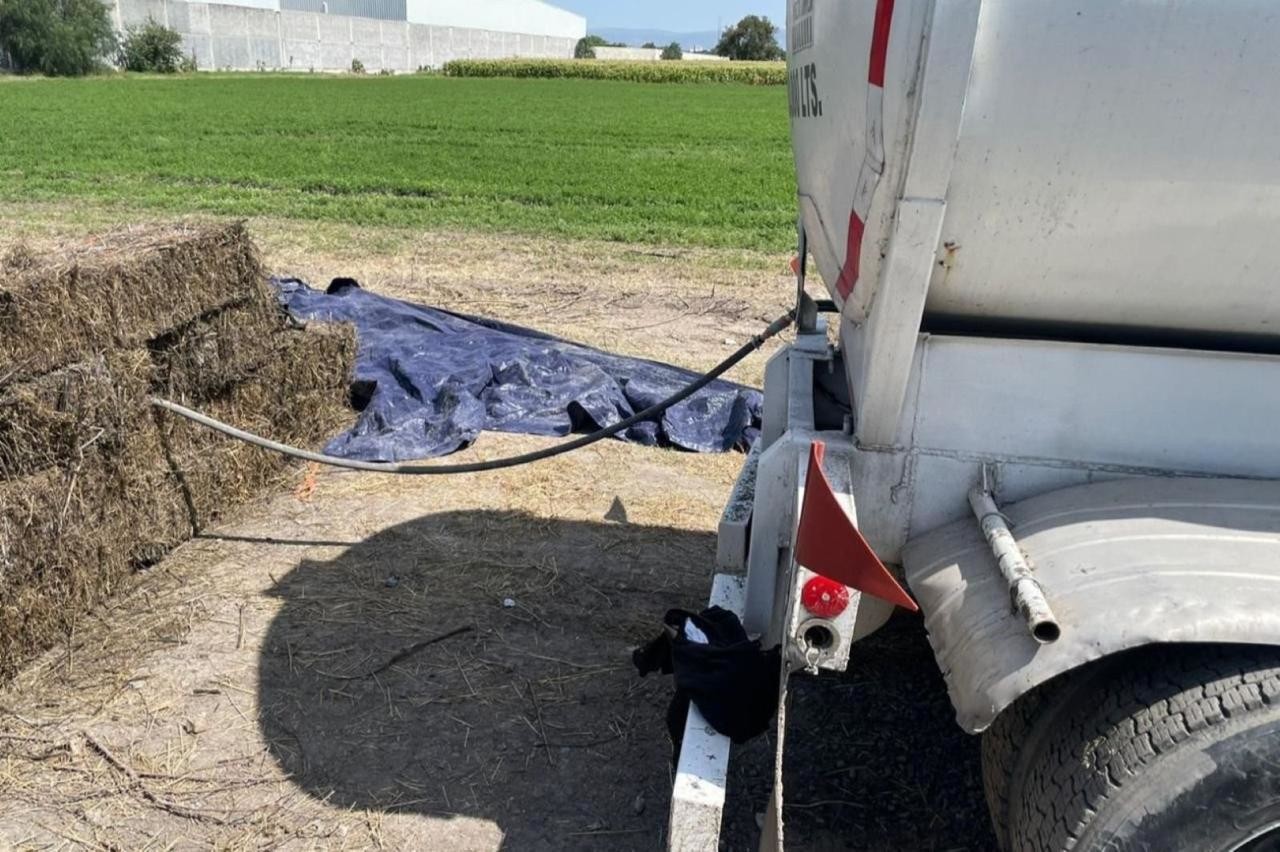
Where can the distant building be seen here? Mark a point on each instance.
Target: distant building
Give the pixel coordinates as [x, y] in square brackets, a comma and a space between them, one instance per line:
[330, 35]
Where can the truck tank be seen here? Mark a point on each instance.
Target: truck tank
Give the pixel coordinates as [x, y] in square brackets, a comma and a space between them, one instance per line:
[1100, 168]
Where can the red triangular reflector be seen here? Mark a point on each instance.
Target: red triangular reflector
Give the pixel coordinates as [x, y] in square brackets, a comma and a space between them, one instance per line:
[828, 543]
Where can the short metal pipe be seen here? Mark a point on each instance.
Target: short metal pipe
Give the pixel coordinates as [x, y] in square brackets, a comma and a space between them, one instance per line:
[1024, 590]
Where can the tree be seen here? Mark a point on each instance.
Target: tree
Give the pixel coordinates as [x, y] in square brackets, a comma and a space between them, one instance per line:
[648, 45]
[56, 37]
[752, 38]
[586, 48]
[152, 48]
[672, 51]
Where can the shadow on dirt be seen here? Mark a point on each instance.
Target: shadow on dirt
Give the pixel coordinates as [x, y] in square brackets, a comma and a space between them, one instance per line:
[881, 765]
[533, 719]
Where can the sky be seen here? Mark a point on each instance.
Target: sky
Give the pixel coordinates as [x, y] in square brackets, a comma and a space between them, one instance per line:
[676, 15]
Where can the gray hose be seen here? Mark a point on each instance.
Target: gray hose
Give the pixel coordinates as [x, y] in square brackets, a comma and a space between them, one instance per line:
[774, 328]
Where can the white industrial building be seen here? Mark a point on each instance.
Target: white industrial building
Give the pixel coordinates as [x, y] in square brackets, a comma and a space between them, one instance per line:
[382, 35]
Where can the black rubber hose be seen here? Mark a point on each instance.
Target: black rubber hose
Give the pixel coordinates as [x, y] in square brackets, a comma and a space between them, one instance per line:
[774, 328]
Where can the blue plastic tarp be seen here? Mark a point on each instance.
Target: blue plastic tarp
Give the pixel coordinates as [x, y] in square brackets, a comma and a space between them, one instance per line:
[428, 381]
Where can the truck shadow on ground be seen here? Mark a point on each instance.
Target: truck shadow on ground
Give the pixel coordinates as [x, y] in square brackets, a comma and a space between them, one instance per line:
[874, 757]
[533, 720]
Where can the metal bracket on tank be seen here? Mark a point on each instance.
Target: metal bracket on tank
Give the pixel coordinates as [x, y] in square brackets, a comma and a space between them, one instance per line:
[806, 307]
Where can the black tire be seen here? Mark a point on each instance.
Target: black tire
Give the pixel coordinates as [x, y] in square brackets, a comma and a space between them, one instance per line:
[1168, 749]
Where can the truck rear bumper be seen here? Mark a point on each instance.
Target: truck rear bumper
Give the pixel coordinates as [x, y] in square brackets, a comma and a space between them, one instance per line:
[698, 795]
[763, 581]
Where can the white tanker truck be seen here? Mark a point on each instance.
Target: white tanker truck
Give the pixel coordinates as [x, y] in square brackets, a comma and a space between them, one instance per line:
[1052, 411]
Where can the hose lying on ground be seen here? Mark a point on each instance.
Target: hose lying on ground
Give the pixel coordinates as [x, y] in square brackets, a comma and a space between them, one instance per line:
[774, 328]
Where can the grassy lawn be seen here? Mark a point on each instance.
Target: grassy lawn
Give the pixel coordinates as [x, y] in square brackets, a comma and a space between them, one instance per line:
[697, 165]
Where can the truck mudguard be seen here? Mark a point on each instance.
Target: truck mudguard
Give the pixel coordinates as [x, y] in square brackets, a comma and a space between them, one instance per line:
[1124, 563]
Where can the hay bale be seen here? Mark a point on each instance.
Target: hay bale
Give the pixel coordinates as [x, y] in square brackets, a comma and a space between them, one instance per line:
[182, 476]
[119, 291]
[58, 418]
[320, 357]
[94, 482]
[185, 476]
[238, 353]
[60, 553]
[19, 258]
[201, 359]
[299, 398]
[71, 538]
[73, 535]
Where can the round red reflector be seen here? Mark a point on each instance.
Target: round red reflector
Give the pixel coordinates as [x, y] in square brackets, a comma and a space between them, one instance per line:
[825, 598]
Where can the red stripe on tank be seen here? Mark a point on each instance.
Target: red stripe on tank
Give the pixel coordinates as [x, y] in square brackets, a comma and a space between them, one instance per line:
[852, 257]
[880, 41]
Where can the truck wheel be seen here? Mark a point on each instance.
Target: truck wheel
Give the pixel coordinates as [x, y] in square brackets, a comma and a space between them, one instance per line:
[1171, 748]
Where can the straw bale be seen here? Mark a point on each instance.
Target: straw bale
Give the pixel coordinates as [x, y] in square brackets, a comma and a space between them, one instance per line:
[60, 553]
[19, 258]
[202, 358]
[73, 535]
[57, 418]
[300, 398]
[183, 476]
[119, 291]
[60, 417]
[94, 482]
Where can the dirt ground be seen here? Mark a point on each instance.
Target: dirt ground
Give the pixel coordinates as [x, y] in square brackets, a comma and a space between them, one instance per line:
[362, 661]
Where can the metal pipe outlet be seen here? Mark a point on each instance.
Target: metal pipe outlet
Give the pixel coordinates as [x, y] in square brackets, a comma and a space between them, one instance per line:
[1025, 591]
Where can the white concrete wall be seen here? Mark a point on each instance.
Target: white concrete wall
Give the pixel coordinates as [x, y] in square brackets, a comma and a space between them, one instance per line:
[245, 38]
[628, 54]
[516, 16]
[135, 13]
[648, 54]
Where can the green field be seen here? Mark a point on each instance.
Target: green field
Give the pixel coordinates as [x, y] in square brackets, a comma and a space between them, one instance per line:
[701, 165]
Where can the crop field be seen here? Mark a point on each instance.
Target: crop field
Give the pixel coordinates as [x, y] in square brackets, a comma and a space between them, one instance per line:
[706, 165]
[751, 73]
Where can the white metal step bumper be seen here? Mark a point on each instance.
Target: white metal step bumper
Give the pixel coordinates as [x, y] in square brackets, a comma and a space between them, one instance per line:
[697, 798]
